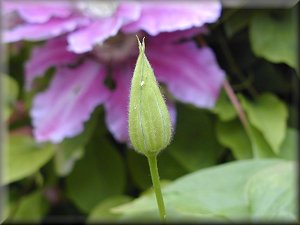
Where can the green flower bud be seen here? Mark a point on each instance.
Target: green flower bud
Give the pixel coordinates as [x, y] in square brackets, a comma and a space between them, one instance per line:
[149, 120]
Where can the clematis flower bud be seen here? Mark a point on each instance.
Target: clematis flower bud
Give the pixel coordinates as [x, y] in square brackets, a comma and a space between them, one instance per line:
[149, 120]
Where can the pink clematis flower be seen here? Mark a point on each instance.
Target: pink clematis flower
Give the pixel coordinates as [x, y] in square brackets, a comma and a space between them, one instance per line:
[88, 41]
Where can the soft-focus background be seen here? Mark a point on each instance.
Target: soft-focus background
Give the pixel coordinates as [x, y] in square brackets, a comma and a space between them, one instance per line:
[230, 78]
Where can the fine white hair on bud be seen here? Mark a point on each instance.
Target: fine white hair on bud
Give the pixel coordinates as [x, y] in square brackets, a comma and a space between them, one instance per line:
[149, 121]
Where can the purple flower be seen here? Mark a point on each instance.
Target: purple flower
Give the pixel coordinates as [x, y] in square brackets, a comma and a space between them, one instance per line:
[88, 41]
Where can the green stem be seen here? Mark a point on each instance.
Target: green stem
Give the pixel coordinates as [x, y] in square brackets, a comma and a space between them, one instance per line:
[156, 185]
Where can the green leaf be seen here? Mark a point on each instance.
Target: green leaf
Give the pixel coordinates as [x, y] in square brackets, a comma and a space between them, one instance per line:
[98, 175]
[232, 135]
[268, 114]
[260, 147]
[271, 194]
[102, 212]
[24, 157]
[11, 91]
[195, 143]
[31, 208]
[224, 108]
[213, 194]
[273, 35]
[5, 207]
[288, 149]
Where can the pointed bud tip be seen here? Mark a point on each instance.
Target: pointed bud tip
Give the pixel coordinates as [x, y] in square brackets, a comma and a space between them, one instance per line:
[141, 45]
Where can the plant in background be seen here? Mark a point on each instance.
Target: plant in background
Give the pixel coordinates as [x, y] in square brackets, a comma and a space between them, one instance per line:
[149, 121]
[69, 72]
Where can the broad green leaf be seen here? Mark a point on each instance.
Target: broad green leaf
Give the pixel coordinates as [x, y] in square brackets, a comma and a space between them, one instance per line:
[31, 208]
[273, 35]
[224, 108]
[102, 212]
[213, 194]
[11, 91]
[232, 135]
[260, 147]
[288, 149]
[271, 194]
[268, 114]
[98, 175]
[23, 157]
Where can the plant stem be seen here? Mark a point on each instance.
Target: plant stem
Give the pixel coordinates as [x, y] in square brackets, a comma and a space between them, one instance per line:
[236, 104]
[241, 114]
[156, 185]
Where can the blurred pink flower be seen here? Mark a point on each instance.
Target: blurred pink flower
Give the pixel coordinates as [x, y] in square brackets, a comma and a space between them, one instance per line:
[89, 41]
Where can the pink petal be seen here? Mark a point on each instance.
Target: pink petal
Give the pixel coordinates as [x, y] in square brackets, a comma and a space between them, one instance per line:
[62, 109]
[116, 106]
[50, 29]
[53, 53]
[174, 37]
[191, 74]
[170, 16]
[98, 31]
[83, 40]
[37, 11]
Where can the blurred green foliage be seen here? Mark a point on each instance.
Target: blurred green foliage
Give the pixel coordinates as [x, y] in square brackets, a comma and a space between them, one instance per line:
[11, 91]
[214, 170]
[24, 157]
[273, 36]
